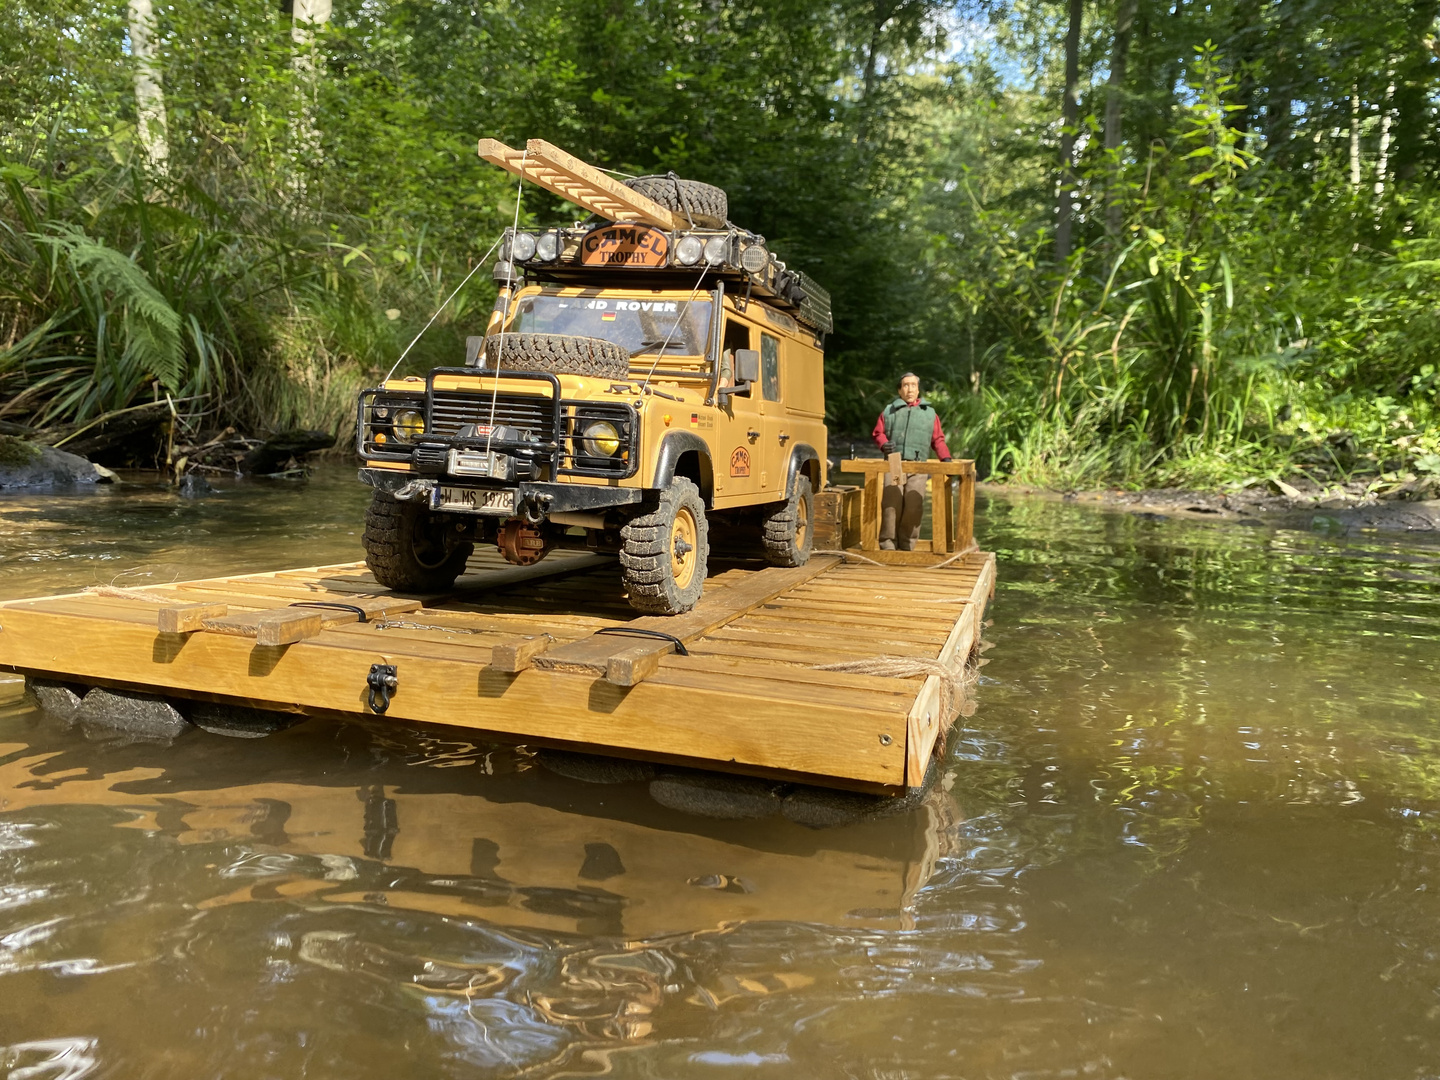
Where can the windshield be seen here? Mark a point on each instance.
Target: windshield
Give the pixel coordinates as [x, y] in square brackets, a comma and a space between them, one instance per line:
[640, 327]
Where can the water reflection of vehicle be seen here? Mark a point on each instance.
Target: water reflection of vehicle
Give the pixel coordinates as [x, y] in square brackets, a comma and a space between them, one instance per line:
[463, 830]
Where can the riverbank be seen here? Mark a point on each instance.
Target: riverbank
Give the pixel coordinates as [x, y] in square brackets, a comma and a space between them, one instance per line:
[1349, 507]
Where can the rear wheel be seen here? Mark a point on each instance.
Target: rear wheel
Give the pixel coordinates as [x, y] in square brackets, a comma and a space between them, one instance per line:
[787, 533]
[410, 548]
[666, 552]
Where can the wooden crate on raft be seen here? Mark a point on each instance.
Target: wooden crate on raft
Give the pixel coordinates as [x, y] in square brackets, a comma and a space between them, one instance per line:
[837, 518]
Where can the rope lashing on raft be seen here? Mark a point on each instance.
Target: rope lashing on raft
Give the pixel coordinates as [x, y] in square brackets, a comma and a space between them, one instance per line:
[954, 683]
[131, 594]
[857, 557]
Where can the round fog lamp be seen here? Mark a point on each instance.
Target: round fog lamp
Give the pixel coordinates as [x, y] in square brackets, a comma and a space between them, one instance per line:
[522, 248]
[754, 258]
[601, 439]
[688, 250]
[547, 248]
[408, 424]
[715, 249]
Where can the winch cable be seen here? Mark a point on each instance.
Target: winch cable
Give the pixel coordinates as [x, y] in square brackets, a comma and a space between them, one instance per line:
[673, 327]
[483, 259]
[505, 311]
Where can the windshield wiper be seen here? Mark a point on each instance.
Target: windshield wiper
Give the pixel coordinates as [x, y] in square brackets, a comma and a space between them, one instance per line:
[649, 346]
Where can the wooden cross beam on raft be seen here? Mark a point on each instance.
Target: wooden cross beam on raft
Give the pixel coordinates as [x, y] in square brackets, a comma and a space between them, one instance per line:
[284, 625]
[579, 183]
[627, 660]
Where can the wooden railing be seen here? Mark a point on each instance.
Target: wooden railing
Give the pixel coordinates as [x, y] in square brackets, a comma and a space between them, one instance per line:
[952, 502]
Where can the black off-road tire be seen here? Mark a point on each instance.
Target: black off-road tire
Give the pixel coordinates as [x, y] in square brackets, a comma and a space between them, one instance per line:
[788, 529]
[558, 354]
[704, 204]
[409, 548]
[649, 554]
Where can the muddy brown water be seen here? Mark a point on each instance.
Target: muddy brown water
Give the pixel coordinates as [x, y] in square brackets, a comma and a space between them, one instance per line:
[1192, 830]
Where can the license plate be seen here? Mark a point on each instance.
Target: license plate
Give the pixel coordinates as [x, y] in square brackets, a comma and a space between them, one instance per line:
[475, 500]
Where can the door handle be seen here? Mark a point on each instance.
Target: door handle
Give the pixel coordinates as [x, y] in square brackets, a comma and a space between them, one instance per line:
[753, 434]
[783, 437]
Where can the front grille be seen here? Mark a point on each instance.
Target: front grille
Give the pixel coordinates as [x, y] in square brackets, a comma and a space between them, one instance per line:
[449, 412]
[431, 457]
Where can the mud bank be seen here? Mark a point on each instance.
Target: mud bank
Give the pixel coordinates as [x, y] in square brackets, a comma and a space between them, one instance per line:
[1351, 507]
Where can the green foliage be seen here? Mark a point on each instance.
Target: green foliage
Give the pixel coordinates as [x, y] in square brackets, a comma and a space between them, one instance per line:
[1237, 303]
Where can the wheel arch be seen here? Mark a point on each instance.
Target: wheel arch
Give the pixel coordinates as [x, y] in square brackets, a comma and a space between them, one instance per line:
[683, 453]
[804, 461]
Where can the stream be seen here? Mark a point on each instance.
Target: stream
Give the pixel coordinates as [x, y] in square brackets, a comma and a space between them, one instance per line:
[1190, 830]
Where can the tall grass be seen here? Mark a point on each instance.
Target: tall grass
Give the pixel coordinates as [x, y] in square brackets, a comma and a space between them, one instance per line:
[1240, 324]
[117, 289]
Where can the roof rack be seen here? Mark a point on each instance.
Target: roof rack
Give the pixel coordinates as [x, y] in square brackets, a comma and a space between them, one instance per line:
[643, 239]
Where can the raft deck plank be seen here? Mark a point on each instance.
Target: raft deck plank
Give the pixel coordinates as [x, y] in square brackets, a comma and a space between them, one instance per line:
[747, 698]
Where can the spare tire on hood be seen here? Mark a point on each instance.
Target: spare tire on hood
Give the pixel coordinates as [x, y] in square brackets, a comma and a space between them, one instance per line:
[558, 354]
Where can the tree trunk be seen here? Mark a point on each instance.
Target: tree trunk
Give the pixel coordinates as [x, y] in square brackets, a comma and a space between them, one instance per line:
[1114, 105]
[1414, 81]
[1382, 162]
[307, 16]
[1354, 139]
[1070, 120]
[149, 87]
[881, 14]
[1243, 49]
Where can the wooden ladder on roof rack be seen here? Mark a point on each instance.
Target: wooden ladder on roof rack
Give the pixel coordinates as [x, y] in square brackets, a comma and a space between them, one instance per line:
[579, 183]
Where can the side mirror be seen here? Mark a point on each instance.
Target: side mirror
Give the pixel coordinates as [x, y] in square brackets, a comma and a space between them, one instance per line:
[473, 344]
[747, 366]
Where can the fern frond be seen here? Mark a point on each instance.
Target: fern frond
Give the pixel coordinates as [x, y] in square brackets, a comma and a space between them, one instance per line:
[150, 326]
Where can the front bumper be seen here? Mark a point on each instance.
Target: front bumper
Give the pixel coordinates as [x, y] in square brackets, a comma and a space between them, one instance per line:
[533, 500]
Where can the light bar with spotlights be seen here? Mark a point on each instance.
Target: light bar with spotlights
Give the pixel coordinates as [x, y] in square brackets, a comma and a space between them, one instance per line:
[522, 247]
[688, 250]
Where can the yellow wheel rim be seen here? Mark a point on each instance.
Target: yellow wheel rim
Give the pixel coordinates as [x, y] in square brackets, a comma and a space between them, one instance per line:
[683, 536]
[802, 524]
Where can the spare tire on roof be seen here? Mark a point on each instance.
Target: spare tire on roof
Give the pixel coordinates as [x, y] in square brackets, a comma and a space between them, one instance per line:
[558, 354]
[704, 204]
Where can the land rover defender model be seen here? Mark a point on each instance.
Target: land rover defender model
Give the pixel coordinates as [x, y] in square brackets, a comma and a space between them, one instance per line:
[637, 385]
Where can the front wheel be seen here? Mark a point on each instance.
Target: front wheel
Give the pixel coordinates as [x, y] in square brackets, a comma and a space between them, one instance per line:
[410, 548]
[787, 535]
[666, 552]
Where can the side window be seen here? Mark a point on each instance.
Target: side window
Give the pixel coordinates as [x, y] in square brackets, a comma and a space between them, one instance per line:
[770, 367]
[737, 336]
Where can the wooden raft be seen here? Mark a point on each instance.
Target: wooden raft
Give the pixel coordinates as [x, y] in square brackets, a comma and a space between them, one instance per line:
[532, 655]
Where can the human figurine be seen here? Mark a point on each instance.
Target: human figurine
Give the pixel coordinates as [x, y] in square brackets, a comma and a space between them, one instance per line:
[910, 428]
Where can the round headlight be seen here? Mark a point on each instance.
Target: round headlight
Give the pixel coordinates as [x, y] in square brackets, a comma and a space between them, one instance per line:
[754, 258]
[408, 424]
[715, 249]
[602, 439]
[522, 248]
[547, 248]
[688, 250]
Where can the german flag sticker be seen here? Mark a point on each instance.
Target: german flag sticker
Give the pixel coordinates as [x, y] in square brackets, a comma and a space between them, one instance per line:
[608, 316]
[694, 419]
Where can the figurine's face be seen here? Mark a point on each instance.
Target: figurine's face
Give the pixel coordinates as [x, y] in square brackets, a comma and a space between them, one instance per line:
[909, 389]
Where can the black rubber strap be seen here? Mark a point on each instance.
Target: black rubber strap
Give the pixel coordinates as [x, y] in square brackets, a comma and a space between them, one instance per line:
[635, 631]
[364, 616]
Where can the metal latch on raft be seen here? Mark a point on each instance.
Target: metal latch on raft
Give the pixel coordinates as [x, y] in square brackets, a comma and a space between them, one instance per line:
[383, 681]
